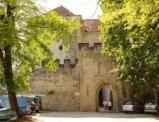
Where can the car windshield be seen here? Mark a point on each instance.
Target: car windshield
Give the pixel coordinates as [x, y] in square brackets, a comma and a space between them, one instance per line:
[129, 103]
[152, 102]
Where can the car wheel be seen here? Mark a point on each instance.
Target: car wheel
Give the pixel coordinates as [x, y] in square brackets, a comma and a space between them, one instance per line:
[37, 111]
[145, 112]
[135, 111]
[31, 112]
[156, 113]
[125, 112]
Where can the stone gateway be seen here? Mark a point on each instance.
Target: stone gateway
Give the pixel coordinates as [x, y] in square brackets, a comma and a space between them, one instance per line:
[83, 78]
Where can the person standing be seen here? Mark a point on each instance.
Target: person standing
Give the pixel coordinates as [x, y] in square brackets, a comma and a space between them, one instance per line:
[109, 105]
[105, 103]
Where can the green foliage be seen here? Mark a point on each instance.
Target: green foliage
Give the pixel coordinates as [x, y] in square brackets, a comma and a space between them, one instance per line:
[130, 30]
[30, 32]
[51, 92]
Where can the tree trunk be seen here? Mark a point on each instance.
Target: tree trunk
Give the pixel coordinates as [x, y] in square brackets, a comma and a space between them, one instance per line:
[7, 65]
[14, 104]
[9, 81]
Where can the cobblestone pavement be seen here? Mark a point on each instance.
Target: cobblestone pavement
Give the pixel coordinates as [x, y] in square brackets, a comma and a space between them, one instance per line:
[94, 117]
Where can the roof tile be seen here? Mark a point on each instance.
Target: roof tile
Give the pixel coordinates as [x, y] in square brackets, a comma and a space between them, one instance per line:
[62, 11]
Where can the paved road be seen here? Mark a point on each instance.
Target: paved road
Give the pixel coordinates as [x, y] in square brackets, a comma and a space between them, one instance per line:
[94, 117]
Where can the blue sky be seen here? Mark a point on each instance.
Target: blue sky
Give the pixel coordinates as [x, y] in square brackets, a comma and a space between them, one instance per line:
[86, 8]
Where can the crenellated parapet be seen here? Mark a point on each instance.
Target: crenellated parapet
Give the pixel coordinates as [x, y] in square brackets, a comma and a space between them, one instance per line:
[90, 50]
[89, 46]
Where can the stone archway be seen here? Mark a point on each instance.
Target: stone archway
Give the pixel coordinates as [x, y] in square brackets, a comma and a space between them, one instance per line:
[105, 94]
[114, 96]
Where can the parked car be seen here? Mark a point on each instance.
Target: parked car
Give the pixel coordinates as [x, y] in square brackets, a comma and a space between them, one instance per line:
[35, 103]
[130, 106]
[151, 107]
[7, 115]
[23, 104]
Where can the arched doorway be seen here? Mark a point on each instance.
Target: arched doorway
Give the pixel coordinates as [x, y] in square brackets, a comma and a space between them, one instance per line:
[105, 94]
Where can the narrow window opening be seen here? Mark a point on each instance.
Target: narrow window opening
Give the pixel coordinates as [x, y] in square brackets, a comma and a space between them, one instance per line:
[60, 47]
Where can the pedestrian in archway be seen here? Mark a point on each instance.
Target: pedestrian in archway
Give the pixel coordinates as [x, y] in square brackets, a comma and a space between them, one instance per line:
[105, 104]
[109, 105]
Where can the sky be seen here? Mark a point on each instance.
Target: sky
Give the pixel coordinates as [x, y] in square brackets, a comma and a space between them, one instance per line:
[86, 8]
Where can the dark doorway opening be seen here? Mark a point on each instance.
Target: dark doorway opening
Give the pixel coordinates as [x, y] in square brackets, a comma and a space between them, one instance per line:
[100, 97]
[105, 94]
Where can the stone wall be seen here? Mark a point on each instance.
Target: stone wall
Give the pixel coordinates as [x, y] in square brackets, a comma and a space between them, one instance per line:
[76, 88]
[64, 85]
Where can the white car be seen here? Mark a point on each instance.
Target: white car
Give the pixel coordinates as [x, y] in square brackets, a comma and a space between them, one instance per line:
[151, 107]
[130, 106]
